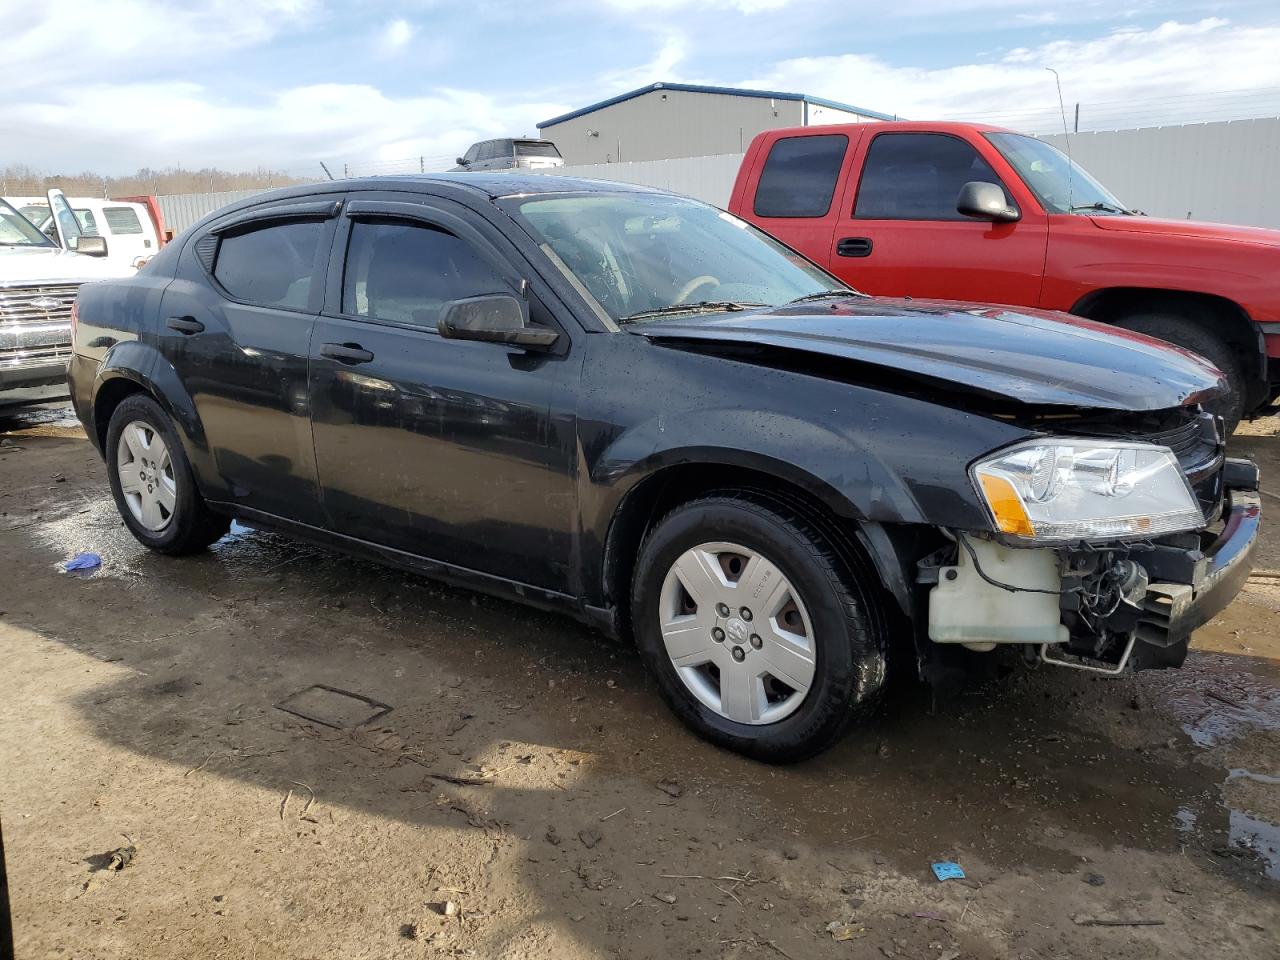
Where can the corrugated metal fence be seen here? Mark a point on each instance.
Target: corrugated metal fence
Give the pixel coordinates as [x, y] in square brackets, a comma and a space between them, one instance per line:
[1225, 172]
[707, 178]
[1209, 171]
[181, 210]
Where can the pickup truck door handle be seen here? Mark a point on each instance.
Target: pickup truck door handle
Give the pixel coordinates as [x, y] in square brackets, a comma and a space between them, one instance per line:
[854, 247]
[187, 325]
[346, 352]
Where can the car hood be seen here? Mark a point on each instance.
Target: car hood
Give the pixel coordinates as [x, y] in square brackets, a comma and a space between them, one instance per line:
[1027, 357]
[21, 266]
[1196, 229]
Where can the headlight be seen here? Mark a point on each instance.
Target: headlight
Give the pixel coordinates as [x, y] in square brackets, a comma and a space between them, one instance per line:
[1060, 489]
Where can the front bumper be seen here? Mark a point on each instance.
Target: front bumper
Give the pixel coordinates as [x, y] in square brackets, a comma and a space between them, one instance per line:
[1174, 610]
[23, 375]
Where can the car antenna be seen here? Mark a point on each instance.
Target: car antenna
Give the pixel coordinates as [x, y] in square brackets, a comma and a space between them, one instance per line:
[326, 170]
[1066, 136]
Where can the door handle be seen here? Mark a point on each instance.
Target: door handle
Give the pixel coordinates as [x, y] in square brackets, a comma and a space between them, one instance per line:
[187, 325]
[854, 247]
[346, 352]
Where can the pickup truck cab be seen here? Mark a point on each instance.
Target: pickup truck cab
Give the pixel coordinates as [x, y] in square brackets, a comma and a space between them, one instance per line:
[961, 211]
[132, 238]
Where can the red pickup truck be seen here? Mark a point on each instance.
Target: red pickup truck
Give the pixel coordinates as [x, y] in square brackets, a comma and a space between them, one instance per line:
[960, 211]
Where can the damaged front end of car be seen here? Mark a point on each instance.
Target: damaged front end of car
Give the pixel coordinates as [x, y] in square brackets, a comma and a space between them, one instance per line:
[1110, 542]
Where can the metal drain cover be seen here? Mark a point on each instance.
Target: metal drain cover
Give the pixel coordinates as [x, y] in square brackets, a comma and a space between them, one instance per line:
[340, 709]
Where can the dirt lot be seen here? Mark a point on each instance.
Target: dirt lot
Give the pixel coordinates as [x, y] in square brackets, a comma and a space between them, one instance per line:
[137, 707]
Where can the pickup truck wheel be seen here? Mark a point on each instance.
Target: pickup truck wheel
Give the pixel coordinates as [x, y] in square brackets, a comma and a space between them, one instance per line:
[755, 628]
[152, 483]
[1190, 335]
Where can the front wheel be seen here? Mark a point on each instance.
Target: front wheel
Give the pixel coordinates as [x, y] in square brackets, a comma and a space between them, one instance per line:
[152, 483]
[755, 627]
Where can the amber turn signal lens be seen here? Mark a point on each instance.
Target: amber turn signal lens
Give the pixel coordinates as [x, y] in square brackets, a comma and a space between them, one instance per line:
[1011, 516]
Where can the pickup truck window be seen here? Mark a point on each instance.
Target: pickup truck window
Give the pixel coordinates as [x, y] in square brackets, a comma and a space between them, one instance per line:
[640, 253]
[405, 273]
[272, 265]
[1060, 185]
[799, 176]
[918, 176]
[121, 220]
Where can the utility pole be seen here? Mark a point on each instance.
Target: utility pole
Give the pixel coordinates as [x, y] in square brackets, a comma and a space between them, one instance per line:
[1077, 129]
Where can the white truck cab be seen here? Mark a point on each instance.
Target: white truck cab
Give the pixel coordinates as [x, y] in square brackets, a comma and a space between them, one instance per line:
[128, 227]
[39, 278]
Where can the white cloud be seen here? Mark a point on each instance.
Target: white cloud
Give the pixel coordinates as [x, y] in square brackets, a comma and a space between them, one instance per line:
[1166, 74]
[294, 129]
[664, 65]
[647, 7]
[396, 35]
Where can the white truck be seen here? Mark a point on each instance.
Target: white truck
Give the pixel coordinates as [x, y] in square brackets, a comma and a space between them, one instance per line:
[131, 235]
[39, 278]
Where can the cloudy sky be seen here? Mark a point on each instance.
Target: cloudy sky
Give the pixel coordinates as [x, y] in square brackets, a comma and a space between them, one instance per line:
[113, 85]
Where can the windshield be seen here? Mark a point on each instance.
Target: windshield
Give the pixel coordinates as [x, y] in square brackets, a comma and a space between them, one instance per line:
[1062, 187]
[536, 148]
[17, 231]
[640, 253]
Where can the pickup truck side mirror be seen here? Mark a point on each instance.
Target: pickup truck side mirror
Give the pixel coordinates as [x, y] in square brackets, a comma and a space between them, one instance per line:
[462, 161]
[496, 318]
[91, 246]
[986, 201]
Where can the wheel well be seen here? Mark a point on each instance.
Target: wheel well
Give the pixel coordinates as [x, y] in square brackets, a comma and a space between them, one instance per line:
[1230, 320]
[657, 495]
[110, 395]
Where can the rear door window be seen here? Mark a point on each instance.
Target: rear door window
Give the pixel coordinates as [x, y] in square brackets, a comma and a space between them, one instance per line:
[918, 176]
[406, 272]
[272, 265]
[799, 176]
[122, 220]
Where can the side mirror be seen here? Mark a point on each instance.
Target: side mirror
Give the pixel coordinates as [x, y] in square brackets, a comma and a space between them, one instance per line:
[496, 318]
[986, 201]
[92, 246]
[461, 161]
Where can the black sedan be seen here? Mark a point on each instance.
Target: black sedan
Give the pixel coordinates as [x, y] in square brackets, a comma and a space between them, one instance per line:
[643, 411]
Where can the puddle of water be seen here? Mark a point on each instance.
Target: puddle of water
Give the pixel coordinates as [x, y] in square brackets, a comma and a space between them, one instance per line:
[1258, 836]
[1186, 818]
[1241, 773]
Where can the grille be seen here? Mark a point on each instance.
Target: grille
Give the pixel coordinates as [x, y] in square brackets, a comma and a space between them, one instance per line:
[35, 323]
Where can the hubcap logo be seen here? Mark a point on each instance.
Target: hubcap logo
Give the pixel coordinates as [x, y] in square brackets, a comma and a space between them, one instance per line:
[737, 630]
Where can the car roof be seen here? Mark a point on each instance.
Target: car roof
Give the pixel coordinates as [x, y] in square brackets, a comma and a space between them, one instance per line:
[496, 184]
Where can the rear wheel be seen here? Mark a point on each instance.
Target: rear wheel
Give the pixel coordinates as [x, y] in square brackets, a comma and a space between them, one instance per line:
[1191, 335]
[152, 483]
[755, 627]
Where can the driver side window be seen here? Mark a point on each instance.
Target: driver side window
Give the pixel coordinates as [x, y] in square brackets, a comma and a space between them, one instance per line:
[406, 272]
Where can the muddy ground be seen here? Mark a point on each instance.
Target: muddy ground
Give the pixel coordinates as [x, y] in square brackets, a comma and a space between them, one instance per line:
[138, 708]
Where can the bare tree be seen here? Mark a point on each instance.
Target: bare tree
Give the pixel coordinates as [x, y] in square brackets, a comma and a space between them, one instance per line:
[22, 181]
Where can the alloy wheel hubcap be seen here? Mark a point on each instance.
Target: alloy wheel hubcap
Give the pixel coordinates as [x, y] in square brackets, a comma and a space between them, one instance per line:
[737, 633]
[146, 476]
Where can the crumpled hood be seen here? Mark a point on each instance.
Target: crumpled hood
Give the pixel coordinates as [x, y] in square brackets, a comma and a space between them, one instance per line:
[1194, 229]
[30, 265]
[1031, 357]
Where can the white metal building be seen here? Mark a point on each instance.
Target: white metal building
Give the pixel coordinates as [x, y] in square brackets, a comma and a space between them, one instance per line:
[667, 120]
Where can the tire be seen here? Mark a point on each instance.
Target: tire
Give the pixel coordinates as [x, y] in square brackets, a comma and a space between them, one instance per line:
[176, 523]
[819, 614]
[1187, 333]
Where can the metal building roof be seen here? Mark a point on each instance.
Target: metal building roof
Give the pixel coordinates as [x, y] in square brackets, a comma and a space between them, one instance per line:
[726, 91]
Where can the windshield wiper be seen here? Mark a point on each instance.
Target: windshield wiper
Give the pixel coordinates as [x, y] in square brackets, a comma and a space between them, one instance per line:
[703, 306]
[824, 294]
[1100, 205]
